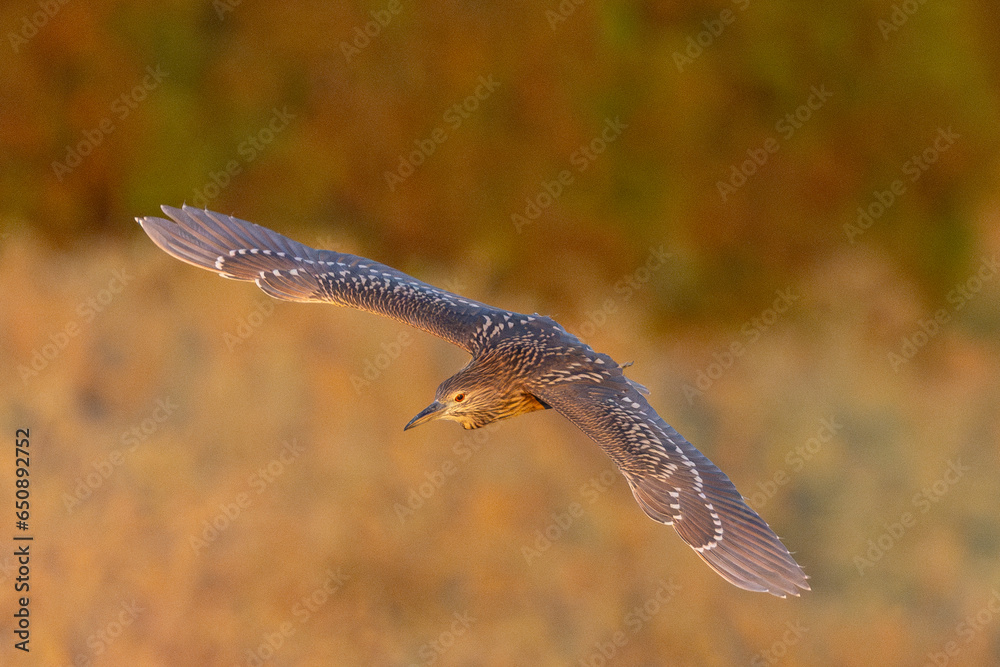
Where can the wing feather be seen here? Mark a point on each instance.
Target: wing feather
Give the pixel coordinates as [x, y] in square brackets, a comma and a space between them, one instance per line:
[289, 270]
[676, 484]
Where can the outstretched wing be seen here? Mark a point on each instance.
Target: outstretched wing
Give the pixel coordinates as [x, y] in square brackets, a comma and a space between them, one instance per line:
[677, 485]
[286, 269]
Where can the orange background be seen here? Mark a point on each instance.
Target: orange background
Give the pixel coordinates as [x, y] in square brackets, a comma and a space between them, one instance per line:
[162, 399]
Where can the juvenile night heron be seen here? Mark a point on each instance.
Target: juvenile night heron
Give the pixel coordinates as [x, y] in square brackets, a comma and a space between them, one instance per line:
[520, 363]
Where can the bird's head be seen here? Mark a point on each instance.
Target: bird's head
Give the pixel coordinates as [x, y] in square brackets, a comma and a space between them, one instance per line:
[473, 401]
[459, 399]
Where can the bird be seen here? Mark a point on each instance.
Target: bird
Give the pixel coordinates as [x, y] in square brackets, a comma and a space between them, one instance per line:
[519, 364]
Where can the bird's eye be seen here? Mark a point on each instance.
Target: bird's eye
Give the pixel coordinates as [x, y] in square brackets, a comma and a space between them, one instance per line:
[459, 398]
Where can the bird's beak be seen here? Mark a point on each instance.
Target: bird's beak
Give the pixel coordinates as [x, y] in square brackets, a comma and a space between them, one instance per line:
[432, 411]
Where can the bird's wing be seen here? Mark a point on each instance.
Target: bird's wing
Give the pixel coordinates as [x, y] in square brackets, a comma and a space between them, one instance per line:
[286, 269]
[676, 484]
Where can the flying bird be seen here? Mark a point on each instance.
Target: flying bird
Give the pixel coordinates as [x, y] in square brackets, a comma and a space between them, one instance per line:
[520, 363]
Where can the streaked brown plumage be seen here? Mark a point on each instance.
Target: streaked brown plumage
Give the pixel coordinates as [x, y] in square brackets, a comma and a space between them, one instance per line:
[520, 363]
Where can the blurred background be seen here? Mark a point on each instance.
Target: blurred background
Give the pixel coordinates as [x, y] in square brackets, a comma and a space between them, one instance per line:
[788, 217]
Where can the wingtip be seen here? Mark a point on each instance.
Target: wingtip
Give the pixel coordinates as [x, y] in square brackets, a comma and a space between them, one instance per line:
[795, 588]
[172, 211]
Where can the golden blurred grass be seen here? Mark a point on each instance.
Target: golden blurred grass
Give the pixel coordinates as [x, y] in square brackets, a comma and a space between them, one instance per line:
[333, 509]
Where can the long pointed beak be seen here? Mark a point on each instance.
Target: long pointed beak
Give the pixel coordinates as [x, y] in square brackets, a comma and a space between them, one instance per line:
[430, 412]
